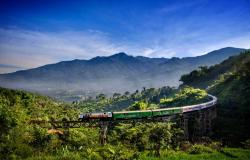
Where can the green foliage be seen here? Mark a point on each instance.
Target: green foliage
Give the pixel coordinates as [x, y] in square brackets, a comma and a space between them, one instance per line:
[198, 149]
[235, 153]
[228, 154]
[138, 106]
[20, 139]
[101, 97]
[160, 137]
[186, 96]
[130, 135]
[7, 120]
[150, 97]
[149, 136]
[233, 91]
[246, 144]
[205, 76]
[230, 82]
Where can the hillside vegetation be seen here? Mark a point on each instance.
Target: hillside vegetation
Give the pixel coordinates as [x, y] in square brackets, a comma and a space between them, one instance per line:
[20, 139]
[230, 82]
[175, 98]
[186, 96]
[150, 97]
[205, 76]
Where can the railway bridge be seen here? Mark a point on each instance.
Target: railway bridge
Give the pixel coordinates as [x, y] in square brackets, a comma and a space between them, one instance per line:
[195, 120]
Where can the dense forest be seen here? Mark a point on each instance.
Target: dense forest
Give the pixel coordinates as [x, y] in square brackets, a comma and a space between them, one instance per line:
[229, 81]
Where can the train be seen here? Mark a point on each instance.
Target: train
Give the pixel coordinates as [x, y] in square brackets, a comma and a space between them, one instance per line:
[148, 114]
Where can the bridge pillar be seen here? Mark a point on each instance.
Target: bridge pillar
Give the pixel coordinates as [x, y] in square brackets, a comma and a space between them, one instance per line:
[103, 132]
[65, 127]
[203, 123]
[184, 126]
[209, 115]
[198, 124]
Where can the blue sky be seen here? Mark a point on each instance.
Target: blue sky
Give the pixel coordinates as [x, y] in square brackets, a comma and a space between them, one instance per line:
[38, 32]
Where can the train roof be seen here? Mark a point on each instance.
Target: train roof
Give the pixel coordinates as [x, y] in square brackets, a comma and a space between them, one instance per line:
[214, 99]
[132, 111]
[162, 109]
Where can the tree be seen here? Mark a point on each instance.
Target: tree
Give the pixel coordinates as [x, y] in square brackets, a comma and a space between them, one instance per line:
[116, 95]
[7, 121]
[135, 136]
[160, 136]
[100, 97]
[126, 93]
[138, 106]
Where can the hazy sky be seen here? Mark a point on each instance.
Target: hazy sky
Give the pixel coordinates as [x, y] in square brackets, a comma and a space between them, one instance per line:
[38, 32]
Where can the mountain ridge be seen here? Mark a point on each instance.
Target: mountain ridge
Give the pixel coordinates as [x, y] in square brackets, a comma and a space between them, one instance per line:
[116, 73]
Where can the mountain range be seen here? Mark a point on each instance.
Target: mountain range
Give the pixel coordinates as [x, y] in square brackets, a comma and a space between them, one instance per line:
[117, 73]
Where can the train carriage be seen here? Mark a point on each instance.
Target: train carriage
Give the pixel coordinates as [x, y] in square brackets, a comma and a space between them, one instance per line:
[166, 112]
[132, 114]
[191, 108]
[103, 115]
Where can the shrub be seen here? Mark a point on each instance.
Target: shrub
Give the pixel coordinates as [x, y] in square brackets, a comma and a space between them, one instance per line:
[185, 146]
[215, 145]
[246, 144]
[186, 96]
[198, 149]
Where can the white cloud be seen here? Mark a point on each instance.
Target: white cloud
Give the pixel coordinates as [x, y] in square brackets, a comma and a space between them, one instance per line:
[29, 49]
[158, 52]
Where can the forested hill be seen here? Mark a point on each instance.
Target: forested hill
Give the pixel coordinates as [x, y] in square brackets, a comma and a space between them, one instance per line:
[15, 104]
[230, 82]
[205, 76]
[117, 73]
